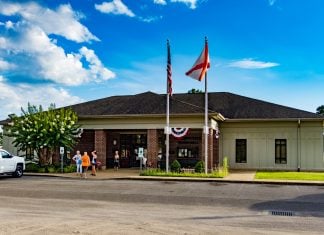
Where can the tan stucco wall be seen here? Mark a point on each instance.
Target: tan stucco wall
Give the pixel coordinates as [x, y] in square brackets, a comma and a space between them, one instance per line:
[7, 144]
[141, 123]
[307, 152]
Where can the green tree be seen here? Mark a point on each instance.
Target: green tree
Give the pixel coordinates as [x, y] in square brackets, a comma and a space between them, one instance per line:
[320, 110]
[44, 131]
[194, 91]
[1, 137]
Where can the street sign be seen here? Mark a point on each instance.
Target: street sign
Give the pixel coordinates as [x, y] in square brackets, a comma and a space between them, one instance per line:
[61, 150]
[140, 152]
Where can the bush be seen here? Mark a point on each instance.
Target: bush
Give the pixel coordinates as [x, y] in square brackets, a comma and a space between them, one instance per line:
[69, 169]
[225, 166]
[32, 167]
[200, 167]
[175, 166]
[41, 170]
[51, 169]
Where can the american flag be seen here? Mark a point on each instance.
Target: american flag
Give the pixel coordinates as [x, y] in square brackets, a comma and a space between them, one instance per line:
[169, 71]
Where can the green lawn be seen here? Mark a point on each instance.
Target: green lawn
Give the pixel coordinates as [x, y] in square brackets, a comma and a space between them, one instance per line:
[154, 172]
[290, 175]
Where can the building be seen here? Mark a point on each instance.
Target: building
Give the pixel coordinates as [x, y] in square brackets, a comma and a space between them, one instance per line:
[253, 134]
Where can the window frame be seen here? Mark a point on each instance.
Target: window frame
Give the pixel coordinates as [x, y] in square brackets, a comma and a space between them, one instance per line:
[240, 150]
[281, 151]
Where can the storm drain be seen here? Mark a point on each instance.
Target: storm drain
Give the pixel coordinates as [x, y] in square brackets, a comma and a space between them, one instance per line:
[282, 213]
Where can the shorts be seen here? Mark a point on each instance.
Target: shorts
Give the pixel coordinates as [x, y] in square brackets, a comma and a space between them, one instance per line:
[84, 168]
[116, 164]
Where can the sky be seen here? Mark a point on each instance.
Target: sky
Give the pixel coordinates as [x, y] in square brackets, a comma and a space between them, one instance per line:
[71, 51]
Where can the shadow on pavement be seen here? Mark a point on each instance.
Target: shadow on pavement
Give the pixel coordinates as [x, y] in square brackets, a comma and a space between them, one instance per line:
[306, 205]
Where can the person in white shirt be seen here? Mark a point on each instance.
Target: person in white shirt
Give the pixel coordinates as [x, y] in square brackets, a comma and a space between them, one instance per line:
[78, 162]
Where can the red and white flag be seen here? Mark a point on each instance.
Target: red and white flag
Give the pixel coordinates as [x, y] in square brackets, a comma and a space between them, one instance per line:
[201, 65]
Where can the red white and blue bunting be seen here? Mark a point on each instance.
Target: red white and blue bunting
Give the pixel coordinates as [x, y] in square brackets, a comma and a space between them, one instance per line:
[179, 132]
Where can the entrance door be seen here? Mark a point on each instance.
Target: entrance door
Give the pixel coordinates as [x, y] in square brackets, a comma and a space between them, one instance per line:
[129, 144]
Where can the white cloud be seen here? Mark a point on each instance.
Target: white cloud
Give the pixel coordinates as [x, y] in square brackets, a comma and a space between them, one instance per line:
[116, 7]
[191, 3]
[252, 64]
[38, 56]
[272, 2]
[160, 2]
[150, 19]
[98, 71]
[4, 65]
[63, 21]
[20, 95]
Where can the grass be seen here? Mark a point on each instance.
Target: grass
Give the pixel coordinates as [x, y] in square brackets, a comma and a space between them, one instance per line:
[290, 175]
[157, 172]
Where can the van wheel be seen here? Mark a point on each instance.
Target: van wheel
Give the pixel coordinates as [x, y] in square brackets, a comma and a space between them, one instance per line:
[18, 172]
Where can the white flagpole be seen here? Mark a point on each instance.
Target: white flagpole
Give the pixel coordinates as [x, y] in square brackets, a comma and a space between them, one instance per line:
[167, 131]
[206, 130]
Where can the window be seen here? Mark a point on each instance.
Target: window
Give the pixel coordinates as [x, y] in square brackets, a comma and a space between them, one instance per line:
[5, 154]
[240, 148]
[281, 151]
[188, 152]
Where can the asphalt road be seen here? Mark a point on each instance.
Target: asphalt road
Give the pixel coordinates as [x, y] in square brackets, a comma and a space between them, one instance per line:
[40, 205]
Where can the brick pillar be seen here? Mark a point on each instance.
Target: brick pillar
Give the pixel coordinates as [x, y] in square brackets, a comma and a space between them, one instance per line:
[152, 146]
[100, 146]
[210, 148]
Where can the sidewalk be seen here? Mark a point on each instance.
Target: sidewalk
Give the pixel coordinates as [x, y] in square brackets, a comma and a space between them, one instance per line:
[133, 174]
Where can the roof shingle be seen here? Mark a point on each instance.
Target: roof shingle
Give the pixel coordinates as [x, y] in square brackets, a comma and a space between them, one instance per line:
[230, 105]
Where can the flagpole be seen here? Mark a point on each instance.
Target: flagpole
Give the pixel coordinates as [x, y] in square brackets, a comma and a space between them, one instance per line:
[206, 125]
[167, 131]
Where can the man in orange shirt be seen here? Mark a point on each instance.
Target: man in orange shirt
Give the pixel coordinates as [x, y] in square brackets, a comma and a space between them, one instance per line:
[85, 164]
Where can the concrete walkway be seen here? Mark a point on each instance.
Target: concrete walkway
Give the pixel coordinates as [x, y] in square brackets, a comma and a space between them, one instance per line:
[133, 174]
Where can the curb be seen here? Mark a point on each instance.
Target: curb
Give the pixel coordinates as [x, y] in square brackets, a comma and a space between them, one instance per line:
[214, 180]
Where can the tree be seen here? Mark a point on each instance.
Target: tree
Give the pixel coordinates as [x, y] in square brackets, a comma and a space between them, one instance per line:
[44, 131]
[320, 110]
[1, 138]
[194, 91]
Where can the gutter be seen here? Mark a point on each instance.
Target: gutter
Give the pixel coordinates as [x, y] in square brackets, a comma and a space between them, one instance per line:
[298, 145]
[274, 119]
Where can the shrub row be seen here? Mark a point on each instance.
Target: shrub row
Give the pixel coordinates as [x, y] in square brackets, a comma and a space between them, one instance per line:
[32, 167]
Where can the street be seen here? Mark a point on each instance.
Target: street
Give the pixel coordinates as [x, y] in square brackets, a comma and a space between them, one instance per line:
[44, 205]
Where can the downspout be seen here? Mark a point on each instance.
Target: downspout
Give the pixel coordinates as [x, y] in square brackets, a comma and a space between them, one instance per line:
[298, 146]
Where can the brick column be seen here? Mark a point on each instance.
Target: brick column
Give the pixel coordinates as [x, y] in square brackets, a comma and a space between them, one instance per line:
[152, 146]
[210, 149]
[100, 146]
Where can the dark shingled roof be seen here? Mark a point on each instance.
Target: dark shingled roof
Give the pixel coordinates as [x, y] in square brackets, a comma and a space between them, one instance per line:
[230, 105]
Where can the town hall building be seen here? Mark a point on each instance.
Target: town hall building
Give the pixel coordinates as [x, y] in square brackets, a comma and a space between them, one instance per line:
[251, 133]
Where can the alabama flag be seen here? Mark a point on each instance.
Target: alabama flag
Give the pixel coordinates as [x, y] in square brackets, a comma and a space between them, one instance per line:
[201, 65]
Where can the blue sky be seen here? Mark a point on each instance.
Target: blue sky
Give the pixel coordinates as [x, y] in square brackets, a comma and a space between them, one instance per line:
[69, 51]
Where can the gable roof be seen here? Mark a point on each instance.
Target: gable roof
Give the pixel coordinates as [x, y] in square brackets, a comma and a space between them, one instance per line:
[230, 105]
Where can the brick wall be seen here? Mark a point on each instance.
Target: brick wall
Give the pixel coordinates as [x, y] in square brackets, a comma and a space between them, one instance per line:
[152, 146]
[100, 145]
[210, 149]
[86, 143]
[216, 151]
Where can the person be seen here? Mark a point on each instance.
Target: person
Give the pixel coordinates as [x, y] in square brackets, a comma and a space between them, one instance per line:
[144, 161]
[78, 161]
[116, 160]
[85, 164]
[94, 162]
